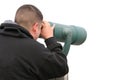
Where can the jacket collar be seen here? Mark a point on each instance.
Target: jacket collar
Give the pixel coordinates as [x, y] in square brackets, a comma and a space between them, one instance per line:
[10, 28]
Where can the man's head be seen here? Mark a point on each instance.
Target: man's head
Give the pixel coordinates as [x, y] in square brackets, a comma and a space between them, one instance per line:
[30, 17]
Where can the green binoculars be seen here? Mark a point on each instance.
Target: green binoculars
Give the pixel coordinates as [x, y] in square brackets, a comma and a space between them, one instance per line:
[69, 34]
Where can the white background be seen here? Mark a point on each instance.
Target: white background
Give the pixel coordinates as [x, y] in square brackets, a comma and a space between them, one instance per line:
[99, 57]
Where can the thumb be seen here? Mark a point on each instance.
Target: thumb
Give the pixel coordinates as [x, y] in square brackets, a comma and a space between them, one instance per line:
[53, 26]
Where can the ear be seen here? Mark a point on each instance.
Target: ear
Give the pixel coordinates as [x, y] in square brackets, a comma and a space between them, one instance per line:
[34, 27]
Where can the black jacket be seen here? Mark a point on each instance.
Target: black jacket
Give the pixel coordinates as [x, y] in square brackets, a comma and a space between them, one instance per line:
[23, 58]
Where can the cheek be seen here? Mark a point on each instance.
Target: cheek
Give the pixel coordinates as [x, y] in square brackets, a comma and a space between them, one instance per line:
[38, 32]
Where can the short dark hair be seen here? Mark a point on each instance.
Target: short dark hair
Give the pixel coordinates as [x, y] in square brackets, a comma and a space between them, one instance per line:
[27, 15]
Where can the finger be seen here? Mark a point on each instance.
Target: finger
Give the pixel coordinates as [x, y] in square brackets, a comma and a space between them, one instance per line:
[53, 26]
[42, 25]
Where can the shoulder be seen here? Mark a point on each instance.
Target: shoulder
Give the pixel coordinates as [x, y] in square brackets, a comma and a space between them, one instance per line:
[31, 43]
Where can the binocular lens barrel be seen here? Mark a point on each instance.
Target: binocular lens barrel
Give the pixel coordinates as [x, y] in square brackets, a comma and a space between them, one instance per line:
[75, 33]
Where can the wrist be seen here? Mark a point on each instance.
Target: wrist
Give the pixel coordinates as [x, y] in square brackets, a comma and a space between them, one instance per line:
[50, 40]
[47, 37]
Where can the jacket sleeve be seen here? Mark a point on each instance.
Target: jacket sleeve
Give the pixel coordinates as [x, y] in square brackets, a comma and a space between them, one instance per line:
[57, 60]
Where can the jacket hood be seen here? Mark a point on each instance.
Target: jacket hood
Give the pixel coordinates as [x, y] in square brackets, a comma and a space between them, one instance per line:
[10, 28]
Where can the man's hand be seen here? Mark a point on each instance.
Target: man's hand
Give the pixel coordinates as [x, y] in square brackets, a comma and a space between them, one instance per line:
[47, 30]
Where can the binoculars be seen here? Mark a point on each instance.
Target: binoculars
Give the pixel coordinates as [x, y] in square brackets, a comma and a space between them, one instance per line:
[69, 34]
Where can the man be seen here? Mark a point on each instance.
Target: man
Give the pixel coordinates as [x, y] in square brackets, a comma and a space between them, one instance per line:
[21, 56]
